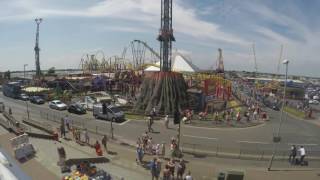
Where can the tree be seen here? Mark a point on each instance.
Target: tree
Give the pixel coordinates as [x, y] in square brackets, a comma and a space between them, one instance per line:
[7, 75]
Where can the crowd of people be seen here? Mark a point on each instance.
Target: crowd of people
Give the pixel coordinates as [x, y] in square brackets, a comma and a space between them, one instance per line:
[172, 170]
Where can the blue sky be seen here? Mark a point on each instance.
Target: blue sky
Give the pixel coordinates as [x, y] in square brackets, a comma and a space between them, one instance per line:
[72, 28]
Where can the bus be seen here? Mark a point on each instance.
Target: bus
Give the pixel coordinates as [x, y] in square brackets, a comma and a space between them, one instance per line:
[12, 89]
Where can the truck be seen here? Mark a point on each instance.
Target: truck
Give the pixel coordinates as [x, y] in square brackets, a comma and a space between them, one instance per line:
[12, 89]
[113, 113]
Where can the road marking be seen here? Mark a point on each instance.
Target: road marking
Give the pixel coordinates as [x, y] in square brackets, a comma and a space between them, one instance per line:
[125, 122]
[302, 144]
[199, 137]
[253, 142]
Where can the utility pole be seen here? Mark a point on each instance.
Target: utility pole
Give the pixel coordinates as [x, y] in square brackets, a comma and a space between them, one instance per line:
[277, 138]
[37, 49]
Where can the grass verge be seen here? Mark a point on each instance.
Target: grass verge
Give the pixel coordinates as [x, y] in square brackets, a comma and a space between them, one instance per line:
[294, 112]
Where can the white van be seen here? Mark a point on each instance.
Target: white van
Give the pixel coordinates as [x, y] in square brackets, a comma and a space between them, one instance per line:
[113, 113]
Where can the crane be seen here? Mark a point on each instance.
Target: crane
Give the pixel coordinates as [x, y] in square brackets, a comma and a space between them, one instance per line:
[254, 57]
[280, 58]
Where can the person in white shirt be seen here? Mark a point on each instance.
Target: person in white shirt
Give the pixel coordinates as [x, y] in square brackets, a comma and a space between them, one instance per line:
[302, 154]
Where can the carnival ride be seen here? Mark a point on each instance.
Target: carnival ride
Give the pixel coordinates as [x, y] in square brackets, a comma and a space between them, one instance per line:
[135, 56]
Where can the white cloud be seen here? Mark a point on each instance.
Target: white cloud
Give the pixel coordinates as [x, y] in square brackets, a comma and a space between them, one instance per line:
[185, 19]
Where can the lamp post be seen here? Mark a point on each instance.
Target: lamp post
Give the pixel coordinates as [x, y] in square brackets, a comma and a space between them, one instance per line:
[24, 70]
[277, 138]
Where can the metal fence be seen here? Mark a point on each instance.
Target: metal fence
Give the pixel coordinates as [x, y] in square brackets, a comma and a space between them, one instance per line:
[248, 150]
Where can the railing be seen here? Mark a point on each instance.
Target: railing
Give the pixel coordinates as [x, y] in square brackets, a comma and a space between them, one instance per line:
[248, 150]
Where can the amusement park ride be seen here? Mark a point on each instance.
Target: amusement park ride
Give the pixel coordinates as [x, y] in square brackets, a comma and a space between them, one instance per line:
[136, 56]
[164, 90]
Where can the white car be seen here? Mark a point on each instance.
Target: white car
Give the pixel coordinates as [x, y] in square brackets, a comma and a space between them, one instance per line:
[313, 102]
[57, 104]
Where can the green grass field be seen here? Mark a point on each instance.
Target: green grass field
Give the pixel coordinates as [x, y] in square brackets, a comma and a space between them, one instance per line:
[294, 112]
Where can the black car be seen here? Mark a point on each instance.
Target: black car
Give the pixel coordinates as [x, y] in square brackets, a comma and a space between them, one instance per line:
[36, 100]
[76, 108]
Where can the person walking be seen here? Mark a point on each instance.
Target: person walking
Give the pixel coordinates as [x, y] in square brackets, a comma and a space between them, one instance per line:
[86, 136]
[62, 131]
[293, 154]
[150, 122]
[97, 147]
[166, 121]
[302, 155]
[181, 168]
[67, 122]
[166, 175]
[104, 142]
[232, 113]
[238, 116]
[154, 169]
[140, 154]
[216, 117]
[171, 166]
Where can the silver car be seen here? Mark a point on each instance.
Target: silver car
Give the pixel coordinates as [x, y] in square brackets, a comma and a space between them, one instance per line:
[57, 104]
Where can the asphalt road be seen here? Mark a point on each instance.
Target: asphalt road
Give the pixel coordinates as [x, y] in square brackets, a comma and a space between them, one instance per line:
[293, 131]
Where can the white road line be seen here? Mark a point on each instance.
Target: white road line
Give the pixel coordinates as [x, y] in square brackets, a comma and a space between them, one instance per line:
[302, 144]
[124, 122]
[199, 137]
[253, 142]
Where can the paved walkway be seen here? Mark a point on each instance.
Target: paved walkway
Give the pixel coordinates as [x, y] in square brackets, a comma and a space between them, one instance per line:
[122, 163]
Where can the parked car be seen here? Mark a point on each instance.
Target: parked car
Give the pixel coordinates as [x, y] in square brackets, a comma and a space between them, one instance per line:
[36, 100]
[24, 97]
[57, 104]
[77, 108]
[112, 113]
[312, 101]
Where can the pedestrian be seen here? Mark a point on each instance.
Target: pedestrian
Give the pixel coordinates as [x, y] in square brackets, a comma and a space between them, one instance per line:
[140, 154]
[228, 117]
[302, 155]
[166, 175]
[238, 116]
[67, 122]
[86, 136]
[104, 142]
[181, 168]
[216, 117]
[10, 111]
[171, 166]
[255, 115]
[163, 149]
[224, 115]
[62, 131]
[232, 113]
[97, 147]
[153, 169]
[188, 176]
[166, 121]
[248, 116]
[293, 154]
[150, 122]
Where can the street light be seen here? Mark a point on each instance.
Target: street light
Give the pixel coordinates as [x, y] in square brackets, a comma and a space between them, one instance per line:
[24, 70]
[277, 138]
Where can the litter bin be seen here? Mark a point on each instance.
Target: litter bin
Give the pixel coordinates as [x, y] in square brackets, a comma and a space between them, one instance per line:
[221, 176]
